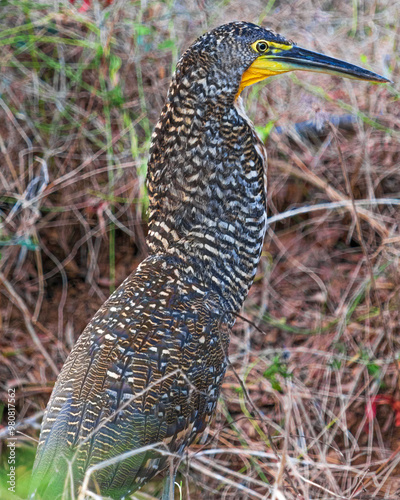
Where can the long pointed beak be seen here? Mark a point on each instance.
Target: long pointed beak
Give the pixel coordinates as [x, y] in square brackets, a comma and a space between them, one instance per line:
[297, 58]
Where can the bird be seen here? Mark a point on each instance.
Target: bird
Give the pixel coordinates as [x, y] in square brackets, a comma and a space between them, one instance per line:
[143, 380]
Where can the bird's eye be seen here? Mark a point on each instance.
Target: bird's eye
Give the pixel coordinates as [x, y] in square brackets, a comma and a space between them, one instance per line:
[262, 46]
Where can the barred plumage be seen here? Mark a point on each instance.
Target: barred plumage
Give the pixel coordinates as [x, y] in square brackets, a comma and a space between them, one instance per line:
[161, 324]
[149, 366]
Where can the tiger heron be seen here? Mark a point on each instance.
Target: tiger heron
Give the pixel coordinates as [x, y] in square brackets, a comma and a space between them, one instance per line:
[143, 379]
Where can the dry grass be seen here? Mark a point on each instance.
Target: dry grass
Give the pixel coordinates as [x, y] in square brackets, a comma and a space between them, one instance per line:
[318, 338]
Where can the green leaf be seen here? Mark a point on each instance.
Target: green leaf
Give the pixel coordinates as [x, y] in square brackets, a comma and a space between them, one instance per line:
[115, 96]
[336, 364]
[99, 51]
[114, 66]
[374, 370]
[166, 45]
[276, 385]
[276, 368]
[264, 132]
[141, 29]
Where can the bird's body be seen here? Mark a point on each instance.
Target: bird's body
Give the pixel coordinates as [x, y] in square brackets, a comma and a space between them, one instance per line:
[149, 366]
[141, 380]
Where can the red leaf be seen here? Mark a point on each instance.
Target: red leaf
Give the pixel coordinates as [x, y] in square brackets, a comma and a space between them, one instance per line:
[381, 399]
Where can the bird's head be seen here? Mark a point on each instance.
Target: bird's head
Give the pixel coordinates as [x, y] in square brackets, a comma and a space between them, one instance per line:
[239, 54]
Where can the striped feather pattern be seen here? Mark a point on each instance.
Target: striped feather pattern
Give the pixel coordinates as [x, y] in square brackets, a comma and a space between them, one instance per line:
[149, 366]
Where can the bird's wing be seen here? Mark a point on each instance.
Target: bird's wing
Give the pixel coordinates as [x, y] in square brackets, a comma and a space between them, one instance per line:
[138, 375]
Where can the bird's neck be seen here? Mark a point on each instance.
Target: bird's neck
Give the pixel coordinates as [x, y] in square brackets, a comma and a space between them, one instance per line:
[206, 182]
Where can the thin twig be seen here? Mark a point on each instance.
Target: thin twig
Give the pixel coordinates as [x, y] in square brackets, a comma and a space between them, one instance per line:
[334, 205]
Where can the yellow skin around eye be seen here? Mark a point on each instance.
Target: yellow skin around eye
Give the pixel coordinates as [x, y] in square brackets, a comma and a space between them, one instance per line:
[261, 67]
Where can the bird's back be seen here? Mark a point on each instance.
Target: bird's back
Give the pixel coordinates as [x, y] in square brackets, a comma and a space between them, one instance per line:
[146, 370]
[149, 366]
